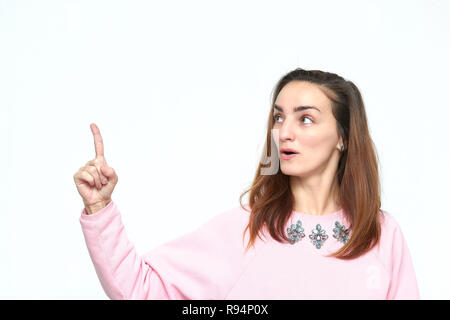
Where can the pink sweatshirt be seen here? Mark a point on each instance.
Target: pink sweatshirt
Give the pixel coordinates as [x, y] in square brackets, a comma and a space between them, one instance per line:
[210, 263]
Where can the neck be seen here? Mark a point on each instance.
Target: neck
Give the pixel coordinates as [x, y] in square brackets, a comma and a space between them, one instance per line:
[315, 196]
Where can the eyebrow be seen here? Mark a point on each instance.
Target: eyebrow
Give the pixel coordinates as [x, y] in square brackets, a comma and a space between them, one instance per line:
[296, 109]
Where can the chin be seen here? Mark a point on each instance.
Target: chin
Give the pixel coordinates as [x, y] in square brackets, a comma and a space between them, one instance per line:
[291, 172]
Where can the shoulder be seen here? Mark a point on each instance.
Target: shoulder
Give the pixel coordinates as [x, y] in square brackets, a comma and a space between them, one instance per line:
[221, 233]
[206, 262]
[391, 233]
[388, 222]
[232, 220]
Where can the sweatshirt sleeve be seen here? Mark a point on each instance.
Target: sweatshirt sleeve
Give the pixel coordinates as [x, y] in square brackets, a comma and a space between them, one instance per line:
[403, 284]
[202, 264]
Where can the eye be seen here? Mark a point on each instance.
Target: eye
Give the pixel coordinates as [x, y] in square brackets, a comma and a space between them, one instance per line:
[275, 116]
[306, 117]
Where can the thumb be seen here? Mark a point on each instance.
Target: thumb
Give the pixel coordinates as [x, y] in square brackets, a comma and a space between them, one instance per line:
[108, 171]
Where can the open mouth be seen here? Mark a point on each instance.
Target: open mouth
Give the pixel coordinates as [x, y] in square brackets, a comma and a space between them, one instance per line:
[286, 155]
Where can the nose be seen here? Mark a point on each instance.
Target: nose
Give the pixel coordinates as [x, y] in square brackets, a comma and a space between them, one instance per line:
[286, 131]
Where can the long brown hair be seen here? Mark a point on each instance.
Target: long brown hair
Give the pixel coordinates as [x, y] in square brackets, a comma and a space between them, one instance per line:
[271, 200]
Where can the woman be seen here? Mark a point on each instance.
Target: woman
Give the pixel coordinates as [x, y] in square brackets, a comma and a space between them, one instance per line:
[313, 228]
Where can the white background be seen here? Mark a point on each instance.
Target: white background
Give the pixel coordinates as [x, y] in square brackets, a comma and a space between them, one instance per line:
[181, 93]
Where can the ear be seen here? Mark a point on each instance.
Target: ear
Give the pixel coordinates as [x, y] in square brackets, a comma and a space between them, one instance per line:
[340, 143]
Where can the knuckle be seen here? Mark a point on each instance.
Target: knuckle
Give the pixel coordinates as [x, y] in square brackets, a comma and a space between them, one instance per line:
[92, 170]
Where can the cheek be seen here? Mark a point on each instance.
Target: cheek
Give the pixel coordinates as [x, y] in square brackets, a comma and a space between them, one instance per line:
[316, 140]
[308, 140]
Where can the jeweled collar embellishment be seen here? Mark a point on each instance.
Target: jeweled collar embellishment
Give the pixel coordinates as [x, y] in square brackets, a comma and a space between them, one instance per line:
[318, 235]
[340, 233]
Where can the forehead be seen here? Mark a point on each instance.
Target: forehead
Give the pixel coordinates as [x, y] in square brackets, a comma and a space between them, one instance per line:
[297, 93]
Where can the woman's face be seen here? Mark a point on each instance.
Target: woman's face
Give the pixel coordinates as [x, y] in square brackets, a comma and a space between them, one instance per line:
[312, 132]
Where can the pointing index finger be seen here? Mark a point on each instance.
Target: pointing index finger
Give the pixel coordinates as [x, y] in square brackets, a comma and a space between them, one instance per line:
[98, 141]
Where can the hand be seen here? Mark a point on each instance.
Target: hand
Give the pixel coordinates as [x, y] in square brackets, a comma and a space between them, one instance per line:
[96, 180]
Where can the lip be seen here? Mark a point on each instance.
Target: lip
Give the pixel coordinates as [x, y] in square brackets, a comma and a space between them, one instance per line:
[287, 149]
[287, 157]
